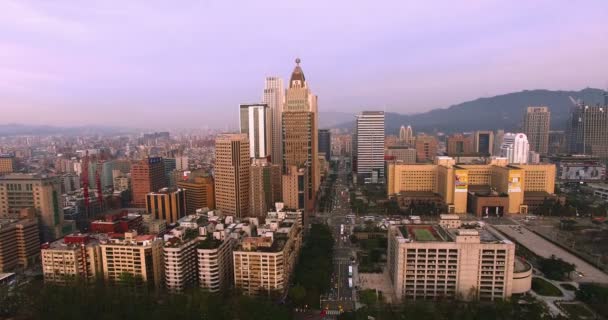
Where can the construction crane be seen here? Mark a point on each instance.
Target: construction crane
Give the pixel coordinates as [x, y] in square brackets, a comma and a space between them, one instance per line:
[98, 182]
[576, 102]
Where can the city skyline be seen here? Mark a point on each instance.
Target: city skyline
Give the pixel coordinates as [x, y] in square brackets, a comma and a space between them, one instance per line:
[180, 66]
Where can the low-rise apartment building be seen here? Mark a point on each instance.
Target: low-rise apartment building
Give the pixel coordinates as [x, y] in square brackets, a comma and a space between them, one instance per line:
[74, 258]
[263, 264]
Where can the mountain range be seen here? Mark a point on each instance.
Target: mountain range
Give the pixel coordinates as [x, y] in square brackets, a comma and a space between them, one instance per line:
[499, 112]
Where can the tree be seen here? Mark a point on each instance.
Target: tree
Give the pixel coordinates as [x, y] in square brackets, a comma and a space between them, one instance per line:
[556, 269]
[297, 294]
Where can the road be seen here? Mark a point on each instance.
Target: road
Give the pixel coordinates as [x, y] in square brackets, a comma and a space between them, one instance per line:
[342, 294]
[546, 249]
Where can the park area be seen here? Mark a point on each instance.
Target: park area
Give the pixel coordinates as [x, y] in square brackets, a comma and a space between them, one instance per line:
[576, 311]
[545, 288]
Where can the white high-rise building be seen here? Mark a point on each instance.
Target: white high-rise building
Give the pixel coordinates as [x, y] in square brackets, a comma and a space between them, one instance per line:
[274, 97]
[256, 120]
[370, 142]
[181, 163]
[515, 147]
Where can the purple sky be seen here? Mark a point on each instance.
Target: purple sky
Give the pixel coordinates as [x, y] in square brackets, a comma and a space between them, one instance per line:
[190, 63]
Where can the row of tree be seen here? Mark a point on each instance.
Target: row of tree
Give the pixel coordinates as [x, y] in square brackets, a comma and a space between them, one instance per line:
[451, 310]
[315, 266]
[98, 301]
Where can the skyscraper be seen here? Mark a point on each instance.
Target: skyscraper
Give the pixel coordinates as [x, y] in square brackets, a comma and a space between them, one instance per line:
[536, 128]
[300, 138]
[406, 135]
[515, 147]
[256, 123]
[325, 143]
[265, 187]
[147, 176]
[484, 142]
[274, 97]
[232, 175]
[588, 131]
[370, 143]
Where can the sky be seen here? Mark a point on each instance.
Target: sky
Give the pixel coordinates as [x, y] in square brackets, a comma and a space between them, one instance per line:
[190, 63]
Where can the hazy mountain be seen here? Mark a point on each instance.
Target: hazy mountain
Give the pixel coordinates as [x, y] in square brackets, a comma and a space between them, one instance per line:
[13, 129]
[333, 119]
[503, 111]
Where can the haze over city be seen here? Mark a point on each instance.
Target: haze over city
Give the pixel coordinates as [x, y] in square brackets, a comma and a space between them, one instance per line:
[141, 63]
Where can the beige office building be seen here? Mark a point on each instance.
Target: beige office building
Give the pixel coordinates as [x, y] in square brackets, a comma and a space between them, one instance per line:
[137, 258]
[19, 243]
[293, 188]
[200, 192]
[404, 154]
[74, 258]
[536, 127]
[274, 97]
[232, 174]
[263, 265]
[167, 204]
[495, 187]
[39, 192]
[300, 137]
[430, 262]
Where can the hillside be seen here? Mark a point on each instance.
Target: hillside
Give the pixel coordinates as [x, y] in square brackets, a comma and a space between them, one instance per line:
[503, 111]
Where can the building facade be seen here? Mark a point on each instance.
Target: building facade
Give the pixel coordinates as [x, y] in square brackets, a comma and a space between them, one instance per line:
[232, 174]
[264, 264]
[133, 260]
[200, 192]
[167, 204]
[484, 142]
[369, 149]
[39, 192]
[515, 148]
[431, 262]
[300, 137]
[454, 183]
[265, 187]
[588, 129]
[426, 148]
[147, 176]
[7, 163]
[274, 97]
[256, 123]
[325, 143]
[19, 243]
[536, 127]
[74, 258]
[406, 135]
[459, 144]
